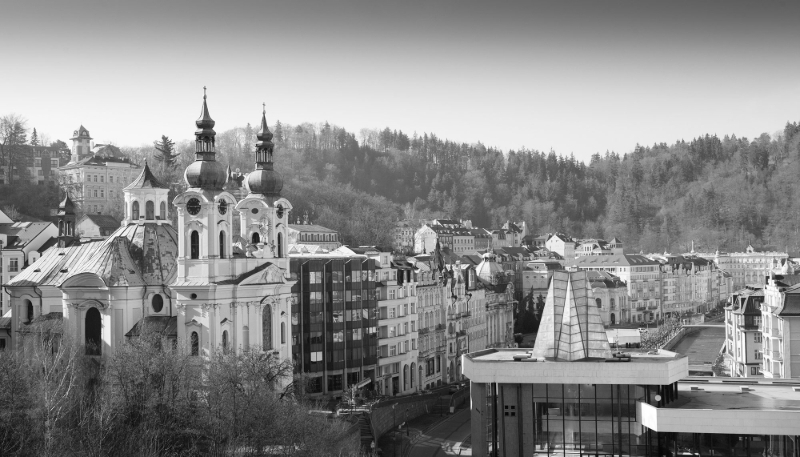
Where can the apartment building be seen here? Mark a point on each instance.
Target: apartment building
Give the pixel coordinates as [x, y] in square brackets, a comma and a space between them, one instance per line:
[743, 337]
[780, 327]
[642, 277]
[432, 341]
[334, 320]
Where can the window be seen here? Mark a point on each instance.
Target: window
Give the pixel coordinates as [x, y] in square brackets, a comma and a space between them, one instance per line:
[163, 210]
[266, 328]
[102, 193]
[95, 178]
[753, 370]
[283, 332]
[195, 344]
[29, 311]
[37, 162]
[158, 303]
[39, 172]
[222, 244]
[135, 210]
[280, 245]
[92, 332]
[246, 337]
[759, 355]
[392, 350]
[13, 265]
[95, 193]
[110, 179]
[255, 239]
[101, 178]
[225, 341]
[194, 240]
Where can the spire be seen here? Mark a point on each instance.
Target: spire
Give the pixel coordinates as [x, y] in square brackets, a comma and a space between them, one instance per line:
[205, 134]
[264, 146]
[205, 172]
[264, 180]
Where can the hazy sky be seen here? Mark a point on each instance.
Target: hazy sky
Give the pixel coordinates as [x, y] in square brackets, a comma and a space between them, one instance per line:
[573, 76]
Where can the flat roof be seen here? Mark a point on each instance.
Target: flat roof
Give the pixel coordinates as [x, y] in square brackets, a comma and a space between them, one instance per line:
[728, 405]
[645, 368]
[726, 394]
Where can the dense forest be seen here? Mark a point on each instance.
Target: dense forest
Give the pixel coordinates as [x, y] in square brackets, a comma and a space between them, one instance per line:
[721, 192]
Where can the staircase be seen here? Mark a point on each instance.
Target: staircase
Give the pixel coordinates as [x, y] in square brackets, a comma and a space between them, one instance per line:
[366, 432]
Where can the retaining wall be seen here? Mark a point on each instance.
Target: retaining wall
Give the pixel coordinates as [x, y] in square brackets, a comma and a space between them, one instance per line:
[384, 418]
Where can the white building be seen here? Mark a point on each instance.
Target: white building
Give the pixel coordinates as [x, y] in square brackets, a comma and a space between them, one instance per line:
[197, 282]
[96, 174]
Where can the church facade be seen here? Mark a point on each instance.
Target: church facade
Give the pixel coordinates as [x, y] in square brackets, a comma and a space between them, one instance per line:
[198, 282]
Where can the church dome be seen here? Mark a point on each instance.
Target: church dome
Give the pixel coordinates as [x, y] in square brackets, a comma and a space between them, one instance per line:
[206, 174]
[266, 182]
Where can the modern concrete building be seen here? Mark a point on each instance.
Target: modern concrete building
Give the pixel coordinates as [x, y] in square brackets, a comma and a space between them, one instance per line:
[334, 319]
[571, 395]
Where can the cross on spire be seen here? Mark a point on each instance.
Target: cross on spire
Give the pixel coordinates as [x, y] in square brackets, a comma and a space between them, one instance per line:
[204, 92]
[264, 106]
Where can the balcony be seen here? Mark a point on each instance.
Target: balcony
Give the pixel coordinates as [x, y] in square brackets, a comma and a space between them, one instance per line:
[453, 317]
[466, 314]
[652, 306]
[641, 308]
[423, 331]
[439, 326]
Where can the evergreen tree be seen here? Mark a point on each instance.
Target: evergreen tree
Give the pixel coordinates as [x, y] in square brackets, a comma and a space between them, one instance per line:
[278, 134]
[34, 138]
[165, 151]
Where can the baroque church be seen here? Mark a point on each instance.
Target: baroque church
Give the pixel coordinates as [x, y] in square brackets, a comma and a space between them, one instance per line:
[199, 283]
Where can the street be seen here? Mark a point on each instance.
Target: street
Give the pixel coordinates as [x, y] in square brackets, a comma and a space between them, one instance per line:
[446, 438]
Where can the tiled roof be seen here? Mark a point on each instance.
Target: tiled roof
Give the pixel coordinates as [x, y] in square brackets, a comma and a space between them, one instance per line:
[310, 228]
[613, 260]
[22, 233]
[165, 325]
[103, 221]
[146, 179]
[132, 255]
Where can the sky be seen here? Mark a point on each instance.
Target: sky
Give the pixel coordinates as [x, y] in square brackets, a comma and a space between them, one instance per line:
[576, 77]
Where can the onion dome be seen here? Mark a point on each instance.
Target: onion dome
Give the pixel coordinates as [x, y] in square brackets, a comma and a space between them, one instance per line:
[205, 172]
[264, 179]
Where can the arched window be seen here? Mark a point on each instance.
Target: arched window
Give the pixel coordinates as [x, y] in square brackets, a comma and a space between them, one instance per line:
[222, 244]
[246, 335]
[28, 311]
[93, 332]
[280, 245]
[283, 332]
[163, 210]
[61, 228]
[135, 210]
[612, 303]
[266, 328]
[150, 210]
[599, 302]
[158, 303]
[256, 238]
[195, 343]
[225, 341]
[194, 242]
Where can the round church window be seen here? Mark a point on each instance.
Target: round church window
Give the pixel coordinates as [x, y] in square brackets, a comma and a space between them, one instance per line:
[158, 303]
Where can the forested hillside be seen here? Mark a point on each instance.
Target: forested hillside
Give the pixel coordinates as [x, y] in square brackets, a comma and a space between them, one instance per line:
[719, 192]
